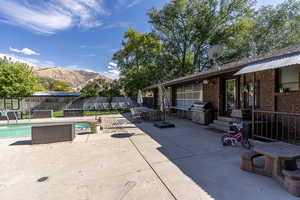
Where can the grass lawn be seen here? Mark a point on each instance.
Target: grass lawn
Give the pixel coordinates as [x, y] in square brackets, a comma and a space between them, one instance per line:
[105, 112]
[86, 113]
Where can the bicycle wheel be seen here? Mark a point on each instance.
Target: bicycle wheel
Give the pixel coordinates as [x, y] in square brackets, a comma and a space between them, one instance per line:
[224, 141]
[246, 144]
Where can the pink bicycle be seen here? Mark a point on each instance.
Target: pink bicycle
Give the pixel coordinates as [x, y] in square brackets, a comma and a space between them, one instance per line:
[235, 135]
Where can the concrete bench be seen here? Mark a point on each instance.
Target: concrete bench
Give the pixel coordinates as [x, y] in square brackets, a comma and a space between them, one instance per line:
[42, 114]
[74, 113]
[292, 181]
[248, 163]
[51, 133]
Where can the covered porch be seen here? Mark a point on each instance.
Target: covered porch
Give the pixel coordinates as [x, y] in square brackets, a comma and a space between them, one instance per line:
[271, 90]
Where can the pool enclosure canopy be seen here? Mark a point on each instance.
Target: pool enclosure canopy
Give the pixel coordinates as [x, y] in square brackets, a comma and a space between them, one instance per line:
[275, 63]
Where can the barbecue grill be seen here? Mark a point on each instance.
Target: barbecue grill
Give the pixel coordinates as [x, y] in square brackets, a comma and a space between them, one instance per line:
[202, 112]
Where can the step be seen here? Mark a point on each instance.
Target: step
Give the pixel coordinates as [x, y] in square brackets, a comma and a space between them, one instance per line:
[219, 127]
[226, 119]
[222, 123]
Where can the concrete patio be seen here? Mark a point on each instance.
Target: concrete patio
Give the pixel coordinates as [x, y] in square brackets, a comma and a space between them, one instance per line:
[136, 162]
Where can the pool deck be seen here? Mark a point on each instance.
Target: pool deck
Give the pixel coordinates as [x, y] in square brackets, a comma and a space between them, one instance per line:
[50, 120]
[136, 162]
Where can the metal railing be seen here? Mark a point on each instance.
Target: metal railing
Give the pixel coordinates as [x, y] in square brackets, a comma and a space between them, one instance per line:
[276, 126]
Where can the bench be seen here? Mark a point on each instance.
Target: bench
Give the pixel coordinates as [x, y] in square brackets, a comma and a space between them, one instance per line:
[292, 181]
[51, 133]
[249, 164]
[74, 113]
[36, 114]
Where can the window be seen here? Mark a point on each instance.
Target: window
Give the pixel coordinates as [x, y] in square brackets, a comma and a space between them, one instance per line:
[289, 79]
[187, 95]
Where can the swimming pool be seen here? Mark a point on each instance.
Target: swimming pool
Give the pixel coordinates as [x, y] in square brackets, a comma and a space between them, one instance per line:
[24, 130]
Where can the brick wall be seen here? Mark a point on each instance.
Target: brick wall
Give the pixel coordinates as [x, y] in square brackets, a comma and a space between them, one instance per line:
[269, 99]
[289, 102]
[211, 93]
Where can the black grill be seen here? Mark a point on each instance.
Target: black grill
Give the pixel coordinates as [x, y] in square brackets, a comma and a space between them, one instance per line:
[202, 112]
[201, 106]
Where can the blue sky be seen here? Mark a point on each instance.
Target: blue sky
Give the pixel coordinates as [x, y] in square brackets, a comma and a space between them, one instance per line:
[78, 34]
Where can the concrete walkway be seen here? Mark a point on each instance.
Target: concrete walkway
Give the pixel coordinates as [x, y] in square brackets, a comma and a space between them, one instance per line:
[143, 162]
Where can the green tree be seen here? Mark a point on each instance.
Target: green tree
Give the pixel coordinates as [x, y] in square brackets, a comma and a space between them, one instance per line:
[111, 90]
[17, 80]
[184, 30]
[266, 29]
[188, 28]
[48, 83]
[276, 27]
[137, 60]
[94, 88]
[62, 86]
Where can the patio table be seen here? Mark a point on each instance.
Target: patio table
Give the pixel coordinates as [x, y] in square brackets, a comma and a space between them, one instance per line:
[143, 109]
[148, 113]
[279, 156]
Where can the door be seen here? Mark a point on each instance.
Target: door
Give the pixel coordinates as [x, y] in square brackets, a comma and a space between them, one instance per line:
[230, 95]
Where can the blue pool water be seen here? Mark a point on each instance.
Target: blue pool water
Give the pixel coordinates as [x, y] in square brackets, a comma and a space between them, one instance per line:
[23, 130]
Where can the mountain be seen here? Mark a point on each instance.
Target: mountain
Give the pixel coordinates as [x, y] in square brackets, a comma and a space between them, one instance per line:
[76, 78]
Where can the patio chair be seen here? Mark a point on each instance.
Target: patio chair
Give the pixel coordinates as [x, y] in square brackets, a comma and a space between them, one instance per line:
[136, 115]
[155, 115]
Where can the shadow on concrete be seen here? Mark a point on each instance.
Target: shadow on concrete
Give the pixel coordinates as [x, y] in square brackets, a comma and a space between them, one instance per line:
[197, 151]
[121, 135]
[86, 133]
[21, 142]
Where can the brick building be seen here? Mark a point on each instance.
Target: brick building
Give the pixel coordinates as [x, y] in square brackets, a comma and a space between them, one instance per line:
[266, 86]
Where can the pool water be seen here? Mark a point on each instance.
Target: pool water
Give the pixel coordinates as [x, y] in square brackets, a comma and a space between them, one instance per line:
[23, 130]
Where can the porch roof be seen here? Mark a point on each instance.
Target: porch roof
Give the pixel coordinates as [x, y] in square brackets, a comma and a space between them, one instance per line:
[275, 63]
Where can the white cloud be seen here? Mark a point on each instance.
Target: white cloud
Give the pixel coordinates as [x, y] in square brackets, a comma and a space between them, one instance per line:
[128, 3]
[51, 16]
[134, 3]
[28, 61]
[113, 64]
[25, 51]
[112, 71]
[113, 74]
